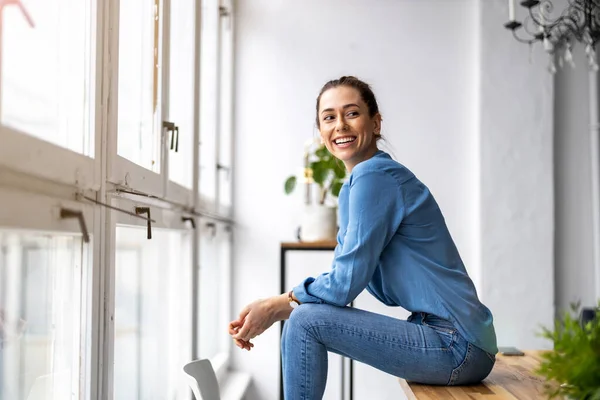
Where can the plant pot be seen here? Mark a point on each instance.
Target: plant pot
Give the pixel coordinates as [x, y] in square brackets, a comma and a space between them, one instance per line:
[319, 222]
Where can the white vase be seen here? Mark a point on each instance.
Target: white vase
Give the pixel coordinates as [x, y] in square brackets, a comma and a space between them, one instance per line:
[319, 222]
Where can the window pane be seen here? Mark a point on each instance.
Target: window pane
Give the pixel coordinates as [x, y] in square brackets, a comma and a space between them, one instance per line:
[225, 266]
[181, 89]
[139, 82]
[47, 72]
[152, 314]
[226, 111]
[209, 88]
[214, 284]
[209, 291]
[40, 316]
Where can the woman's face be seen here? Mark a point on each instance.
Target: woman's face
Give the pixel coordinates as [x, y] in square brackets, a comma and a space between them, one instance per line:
[347, 130]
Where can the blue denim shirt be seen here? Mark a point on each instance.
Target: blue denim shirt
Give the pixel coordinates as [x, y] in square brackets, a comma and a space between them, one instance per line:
[393, 241]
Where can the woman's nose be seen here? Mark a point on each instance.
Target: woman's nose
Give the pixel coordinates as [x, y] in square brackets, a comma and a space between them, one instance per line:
[341, 125]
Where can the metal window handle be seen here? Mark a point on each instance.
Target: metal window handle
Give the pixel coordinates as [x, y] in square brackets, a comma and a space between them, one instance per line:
[171, 127]
[191, 220]
[224, 168]
[224, 12]
[213, 227]
[175, 139]
[145, 210]
[67, 213]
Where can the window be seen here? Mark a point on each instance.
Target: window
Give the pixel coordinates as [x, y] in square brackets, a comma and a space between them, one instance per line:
[48, 77]
[40, 314]
[181, 89]
[139, 124]
[101, 225]
[152, 314]
[225, 144]
[209, 101]
[214, 281]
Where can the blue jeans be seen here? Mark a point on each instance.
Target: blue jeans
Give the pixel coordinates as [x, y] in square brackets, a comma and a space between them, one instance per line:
[424, 349]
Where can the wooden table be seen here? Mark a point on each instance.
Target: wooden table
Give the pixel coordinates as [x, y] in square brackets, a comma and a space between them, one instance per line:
[512, 378]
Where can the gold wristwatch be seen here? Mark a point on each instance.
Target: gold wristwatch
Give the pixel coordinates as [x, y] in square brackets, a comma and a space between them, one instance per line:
[293, 303]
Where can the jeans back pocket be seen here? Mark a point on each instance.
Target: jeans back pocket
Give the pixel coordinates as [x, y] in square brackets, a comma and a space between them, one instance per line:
[439, 324]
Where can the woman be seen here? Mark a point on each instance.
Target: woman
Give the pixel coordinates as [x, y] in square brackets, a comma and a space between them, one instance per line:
[394, 242]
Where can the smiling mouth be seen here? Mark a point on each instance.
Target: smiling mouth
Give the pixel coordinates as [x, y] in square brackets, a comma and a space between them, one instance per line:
[344, 140]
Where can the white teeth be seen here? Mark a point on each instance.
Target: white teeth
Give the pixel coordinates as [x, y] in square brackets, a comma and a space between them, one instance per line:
[344, 140]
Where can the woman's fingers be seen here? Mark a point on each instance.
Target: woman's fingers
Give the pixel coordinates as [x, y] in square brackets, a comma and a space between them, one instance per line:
[243, 333]
[234, 326]
[242, 344]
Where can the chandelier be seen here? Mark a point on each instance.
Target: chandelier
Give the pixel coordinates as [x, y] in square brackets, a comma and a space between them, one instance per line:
[579, 22]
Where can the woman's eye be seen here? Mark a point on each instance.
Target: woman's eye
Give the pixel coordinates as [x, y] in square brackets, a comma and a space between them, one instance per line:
[328, 118]
[352, 113]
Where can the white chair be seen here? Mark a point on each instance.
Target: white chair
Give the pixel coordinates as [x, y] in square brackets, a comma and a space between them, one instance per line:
[202, 380]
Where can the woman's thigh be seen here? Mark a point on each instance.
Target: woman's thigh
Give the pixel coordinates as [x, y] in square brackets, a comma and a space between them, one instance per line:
[404, 349]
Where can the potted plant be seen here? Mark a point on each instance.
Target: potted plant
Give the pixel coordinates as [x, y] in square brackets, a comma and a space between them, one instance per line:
[572, 368]
[319, 217]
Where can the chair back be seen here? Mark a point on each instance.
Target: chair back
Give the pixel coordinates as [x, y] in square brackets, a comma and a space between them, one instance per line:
[202, 380]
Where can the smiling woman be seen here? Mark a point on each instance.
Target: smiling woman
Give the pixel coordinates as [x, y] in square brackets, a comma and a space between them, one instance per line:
[392, 241]
[349, 120]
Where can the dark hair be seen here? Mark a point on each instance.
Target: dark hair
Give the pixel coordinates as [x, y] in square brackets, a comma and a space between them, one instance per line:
[363, 89]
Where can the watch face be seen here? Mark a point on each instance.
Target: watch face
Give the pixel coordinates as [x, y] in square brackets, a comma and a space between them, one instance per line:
[293, 304]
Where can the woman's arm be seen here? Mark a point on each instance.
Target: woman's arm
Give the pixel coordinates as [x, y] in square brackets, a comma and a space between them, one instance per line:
[376, 209]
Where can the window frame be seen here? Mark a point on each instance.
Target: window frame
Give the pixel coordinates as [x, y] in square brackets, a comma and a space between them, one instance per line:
[43, 216]
[93, 184]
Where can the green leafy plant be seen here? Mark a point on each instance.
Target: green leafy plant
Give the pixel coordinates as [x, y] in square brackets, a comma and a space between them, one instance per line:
[572, 369]
[323, 169]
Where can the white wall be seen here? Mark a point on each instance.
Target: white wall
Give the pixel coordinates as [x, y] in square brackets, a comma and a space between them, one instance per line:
[517, 208]
[574, 247]
[462, 108]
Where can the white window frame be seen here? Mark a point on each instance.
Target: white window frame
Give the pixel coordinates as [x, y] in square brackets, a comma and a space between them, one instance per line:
[43, 207]
[41, 177]
[164, 219]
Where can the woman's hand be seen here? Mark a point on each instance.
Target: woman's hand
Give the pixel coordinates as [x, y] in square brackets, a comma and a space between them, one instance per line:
[234, 327]
[256, 318]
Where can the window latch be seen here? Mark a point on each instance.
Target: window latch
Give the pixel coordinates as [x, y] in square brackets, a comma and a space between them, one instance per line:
[213, 228]
[191, 220]
[176, 134]
[145, 210]
[221, 167]
[66, 213]
[174, 129]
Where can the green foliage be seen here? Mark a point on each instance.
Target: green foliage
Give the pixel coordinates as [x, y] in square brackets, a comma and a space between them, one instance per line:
[290, 184]
[572, 369]
[326, 171]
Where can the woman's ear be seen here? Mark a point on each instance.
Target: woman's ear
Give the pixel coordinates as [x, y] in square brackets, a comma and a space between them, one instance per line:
[377, 124]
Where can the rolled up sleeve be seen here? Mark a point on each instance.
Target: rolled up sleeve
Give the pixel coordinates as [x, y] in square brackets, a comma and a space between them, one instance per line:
[375, 209]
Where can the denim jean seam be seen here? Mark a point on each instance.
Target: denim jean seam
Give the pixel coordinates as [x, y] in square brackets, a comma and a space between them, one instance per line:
[456, 371]
[491, 356]
[387, 341]
[304, 362]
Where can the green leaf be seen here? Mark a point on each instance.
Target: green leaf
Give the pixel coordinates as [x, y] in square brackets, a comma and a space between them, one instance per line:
[320, 172]
[336, 187]
[290, 184]
[573, 367]
[322, 152]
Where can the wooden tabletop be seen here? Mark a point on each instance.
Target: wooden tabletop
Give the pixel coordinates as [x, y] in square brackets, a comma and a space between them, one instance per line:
[326, 244]
[512, 378]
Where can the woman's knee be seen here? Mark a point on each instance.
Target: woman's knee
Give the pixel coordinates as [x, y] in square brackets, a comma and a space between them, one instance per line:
[306, 315]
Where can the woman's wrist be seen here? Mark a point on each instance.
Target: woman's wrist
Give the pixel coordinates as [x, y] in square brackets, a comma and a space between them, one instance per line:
[281, 306]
